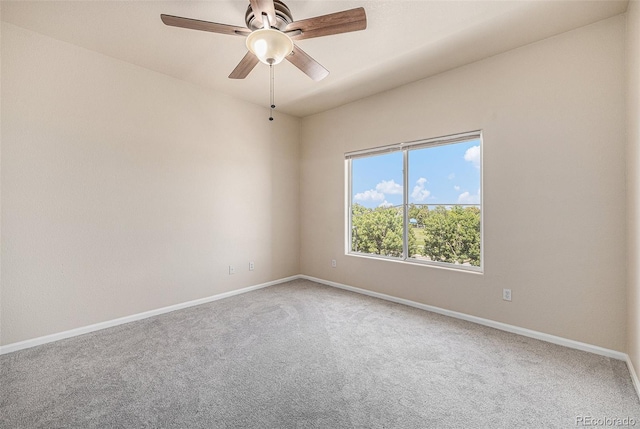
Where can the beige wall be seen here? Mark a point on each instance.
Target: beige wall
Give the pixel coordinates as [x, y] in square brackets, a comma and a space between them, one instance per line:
[633, 180]
[0, 175]
[124, 190]
[554, 185]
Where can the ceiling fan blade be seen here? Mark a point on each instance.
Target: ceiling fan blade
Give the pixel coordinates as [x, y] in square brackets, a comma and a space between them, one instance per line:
[334, 23]
[308, 65]
[244, 67]
[265, 7]
[196, 24]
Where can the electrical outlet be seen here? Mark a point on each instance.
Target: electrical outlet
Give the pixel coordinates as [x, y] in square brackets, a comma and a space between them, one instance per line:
[251, 266]
[506, 294]
[334, 263]
[232, 270]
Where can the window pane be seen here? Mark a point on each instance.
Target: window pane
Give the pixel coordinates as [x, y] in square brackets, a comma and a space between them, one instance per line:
[377, 218]
[444, 203]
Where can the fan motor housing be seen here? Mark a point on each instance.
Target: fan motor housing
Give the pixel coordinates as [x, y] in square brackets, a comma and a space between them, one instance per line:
[283, 17]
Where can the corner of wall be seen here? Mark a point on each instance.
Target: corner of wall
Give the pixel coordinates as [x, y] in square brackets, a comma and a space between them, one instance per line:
[633, 180]
[0, 173]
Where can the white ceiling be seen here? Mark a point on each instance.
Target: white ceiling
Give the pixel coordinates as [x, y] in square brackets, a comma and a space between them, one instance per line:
[405, 40]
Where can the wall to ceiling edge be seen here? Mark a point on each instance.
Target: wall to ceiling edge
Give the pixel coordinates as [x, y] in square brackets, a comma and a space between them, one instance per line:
[553, 118]
[125, 190]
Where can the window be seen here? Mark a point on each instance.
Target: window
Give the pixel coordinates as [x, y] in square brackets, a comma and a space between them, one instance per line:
[419, 202]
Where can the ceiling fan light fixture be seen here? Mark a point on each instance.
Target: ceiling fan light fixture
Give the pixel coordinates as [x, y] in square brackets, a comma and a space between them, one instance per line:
[269, 45]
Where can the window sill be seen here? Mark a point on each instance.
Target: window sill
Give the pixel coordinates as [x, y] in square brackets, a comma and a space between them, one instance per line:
[430, 264]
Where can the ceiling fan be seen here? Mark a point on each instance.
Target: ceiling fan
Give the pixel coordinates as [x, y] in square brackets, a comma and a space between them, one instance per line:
[271, 31]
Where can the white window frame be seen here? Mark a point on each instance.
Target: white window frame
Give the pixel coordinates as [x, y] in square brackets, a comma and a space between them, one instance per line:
[405, 148]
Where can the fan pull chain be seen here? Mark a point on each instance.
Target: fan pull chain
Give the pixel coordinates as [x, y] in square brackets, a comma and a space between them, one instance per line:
[271, 97]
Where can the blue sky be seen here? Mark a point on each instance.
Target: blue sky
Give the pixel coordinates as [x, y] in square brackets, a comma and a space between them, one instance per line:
[448, 174]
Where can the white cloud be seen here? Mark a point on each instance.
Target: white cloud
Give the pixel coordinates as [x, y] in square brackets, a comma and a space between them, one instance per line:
[473, 156]
[419, 193]
[467, 198]
[385, 203]
[389, 187]
[456, 187]
[451, 176]
[370, 195]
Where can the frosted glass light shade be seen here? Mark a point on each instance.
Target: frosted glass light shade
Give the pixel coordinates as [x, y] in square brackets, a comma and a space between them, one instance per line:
[270, 46]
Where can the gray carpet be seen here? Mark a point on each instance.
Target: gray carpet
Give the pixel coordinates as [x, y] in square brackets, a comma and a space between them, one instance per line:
[303, 355]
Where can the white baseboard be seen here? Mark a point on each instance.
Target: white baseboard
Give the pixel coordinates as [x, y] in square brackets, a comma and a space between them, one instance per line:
[486, 322]
[479, 320]
[634, 375]
[115, 322]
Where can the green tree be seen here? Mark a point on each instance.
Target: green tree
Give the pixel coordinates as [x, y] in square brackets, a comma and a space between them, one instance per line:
[414, 211]
[419, 213]
[453, 235]
[379, 231]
